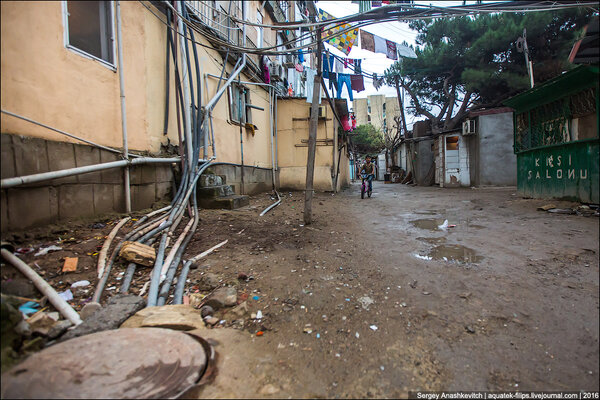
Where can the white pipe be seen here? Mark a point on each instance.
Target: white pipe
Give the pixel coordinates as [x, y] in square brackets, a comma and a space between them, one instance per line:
[61, 305]
[123, 112]
[46, 176]
[187, 103]
[106, 246]
[207, 252]
[171, 255]
[271, 116]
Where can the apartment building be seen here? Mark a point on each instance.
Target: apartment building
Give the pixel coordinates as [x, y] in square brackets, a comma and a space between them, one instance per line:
[377, 110]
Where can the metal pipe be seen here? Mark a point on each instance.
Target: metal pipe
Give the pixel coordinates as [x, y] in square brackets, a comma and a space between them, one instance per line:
[46, 176]
[275, 132]
[242, 82]
[178, 295]
[106, 246]
[271, 115]
[126, 184]
[186, 88]
[150, 215]
[233, 75]
[266, 210]
[61, 305]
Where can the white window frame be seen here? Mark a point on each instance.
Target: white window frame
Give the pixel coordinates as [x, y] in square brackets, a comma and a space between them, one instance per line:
[68, 46]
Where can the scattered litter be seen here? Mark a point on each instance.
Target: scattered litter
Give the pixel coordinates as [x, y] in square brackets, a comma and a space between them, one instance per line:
[44, 251]
[365, 302]
[25, 250]
[255, 297]
[562, 211]
[357, 335]
[66, 295]
[260, 333]
[413, 284]
[381, 367]
[70, 264]
[443, 226]
[318, 336]
[426, 258]
[259, 314]
[144, 288]
[98, 225]
[111, 288]
[240, 232]
[426, 293]
[546, 207]
[451, 226]
[29, 308]
[470, 329]
[337, 355]
[80, 284]
[373, 327]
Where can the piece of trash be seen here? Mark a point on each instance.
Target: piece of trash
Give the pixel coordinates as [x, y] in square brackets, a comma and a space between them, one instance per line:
[259, 314]
[426, 293]
[242, 276]
[469, 329]
[451, 226]
[308, 330]
[80, 284]
[562, 211]
[24, 250]
[44, 251]
[546, 207]
[260, 333]
[98, 225]
[413, 284]
[29, 308]
[66, 295]
[318, 335]
[357, 335]
[255, 297]
[381, 367]
[70, 264]
[373, 327]
[444, 225]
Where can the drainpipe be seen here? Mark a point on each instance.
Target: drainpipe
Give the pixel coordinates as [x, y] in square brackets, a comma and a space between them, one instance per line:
[272, 114]
[123, 112]
[186, 88]
[240, 111]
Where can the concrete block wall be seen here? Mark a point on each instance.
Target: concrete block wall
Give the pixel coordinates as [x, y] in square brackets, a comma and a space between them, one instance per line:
[256, 180]
[71, 197]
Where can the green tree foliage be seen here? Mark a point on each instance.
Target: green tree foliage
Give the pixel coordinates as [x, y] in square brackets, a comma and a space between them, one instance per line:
[472, 62]
[366, 139]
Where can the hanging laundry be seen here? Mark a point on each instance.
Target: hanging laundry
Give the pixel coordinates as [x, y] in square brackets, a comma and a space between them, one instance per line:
[299, 67]
[405, 51]
[357, 82]
[345, 123]
[344, 80]
[339, 68]
[353, 119]
[310, 84]
[343, 42]
[380, 45]
[376, 3]
[327, 67]
[346, 62]
[332, 82]
[357, 66]
[290, 91]
[391, 50]
[367, 41]
[300, 56]
[266, 64]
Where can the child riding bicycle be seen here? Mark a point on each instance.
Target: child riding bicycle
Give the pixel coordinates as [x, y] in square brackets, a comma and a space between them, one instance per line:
[369, 170]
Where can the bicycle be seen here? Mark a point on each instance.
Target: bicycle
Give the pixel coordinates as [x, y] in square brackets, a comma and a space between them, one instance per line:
[364, 186]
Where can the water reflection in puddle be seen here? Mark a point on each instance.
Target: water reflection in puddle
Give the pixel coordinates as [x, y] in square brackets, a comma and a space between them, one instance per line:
[451, 252]
[427, 223]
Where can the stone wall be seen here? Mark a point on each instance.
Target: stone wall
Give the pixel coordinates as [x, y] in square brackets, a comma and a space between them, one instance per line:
[256, 180]
[76, 196]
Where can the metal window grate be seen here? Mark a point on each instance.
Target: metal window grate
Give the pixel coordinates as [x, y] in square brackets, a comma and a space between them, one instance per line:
[548, 124]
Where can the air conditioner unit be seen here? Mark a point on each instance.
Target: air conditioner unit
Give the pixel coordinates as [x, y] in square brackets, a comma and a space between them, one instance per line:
[277, 72]
[321, 111]
[468, 127]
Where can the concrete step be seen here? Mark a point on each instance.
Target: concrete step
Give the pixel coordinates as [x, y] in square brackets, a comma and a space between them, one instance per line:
[211, 180]
[214, 191]
[226, 202]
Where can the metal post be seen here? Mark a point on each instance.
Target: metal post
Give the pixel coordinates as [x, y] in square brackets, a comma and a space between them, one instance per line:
[187, 110]
[312, 135]
[123, 112]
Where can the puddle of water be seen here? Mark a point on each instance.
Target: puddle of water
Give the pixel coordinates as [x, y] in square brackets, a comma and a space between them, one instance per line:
[427, 223]
[432, 240]
[455, 252]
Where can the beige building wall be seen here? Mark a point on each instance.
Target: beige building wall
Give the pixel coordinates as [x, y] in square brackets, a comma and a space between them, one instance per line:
[292, 136]
[43, 80]
[378, 114]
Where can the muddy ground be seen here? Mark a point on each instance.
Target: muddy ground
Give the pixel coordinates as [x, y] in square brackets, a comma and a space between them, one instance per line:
[374, 300]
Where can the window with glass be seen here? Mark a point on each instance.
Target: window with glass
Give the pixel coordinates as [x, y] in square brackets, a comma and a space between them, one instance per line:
[89, 28]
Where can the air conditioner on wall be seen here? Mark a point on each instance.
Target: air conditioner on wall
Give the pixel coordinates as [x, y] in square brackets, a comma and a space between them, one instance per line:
[468, 127]
[277, 72]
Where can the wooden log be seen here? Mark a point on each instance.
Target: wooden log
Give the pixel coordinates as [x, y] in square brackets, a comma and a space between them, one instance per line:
[138, 253]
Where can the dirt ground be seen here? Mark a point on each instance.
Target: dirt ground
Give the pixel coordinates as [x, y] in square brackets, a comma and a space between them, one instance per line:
[374, 300]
